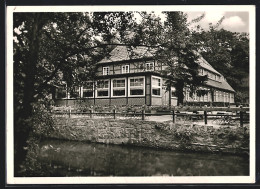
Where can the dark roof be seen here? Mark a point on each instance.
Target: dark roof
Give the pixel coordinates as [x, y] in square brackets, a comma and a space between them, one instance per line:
[204, 64]
[122, 53]
[223, 84]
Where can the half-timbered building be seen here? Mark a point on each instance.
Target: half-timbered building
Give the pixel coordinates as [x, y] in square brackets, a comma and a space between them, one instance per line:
[135, 79]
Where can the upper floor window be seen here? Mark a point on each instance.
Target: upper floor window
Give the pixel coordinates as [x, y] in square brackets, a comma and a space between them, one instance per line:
[125, 69]
[149, 66]
[119, 87]
[201, 71]
[136, 87]
[102, 88]
[156, 86]
[106, 70]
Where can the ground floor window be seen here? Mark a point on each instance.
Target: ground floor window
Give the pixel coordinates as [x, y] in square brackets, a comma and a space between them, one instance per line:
[217, 97]
[156, 86]
[102, 88]
[74, 92]
[119, 87]
[136, 87]
[232, 98]
[173, 92]
[88, 90]
[62, 91]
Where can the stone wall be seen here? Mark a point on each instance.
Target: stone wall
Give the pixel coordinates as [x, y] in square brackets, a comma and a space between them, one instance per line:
[153, 134]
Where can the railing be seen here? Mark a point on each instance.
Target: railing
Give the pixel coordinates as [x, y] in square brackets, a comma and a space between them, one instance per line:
[219, 118]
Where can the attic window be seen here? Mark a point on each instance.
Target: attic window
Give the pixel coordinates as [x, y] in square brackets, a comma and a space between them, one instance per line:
[105, 70]
[125, 69]
[149, 66]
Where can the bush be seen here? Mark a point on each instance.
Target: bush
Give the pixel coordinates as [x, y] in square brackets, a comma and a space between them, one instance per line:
[41, 120]
[185, 135]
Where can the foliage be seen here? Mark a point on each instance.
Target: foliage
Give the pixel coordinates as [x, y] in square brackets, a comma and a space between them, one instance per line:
[184, 135]
[174, 48]
[227, 52]
[41, 120]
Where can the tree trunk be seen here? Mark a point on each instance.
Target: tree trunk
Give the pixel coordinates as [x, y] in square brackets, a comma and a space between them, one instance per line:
[21, 129]
[179, 92]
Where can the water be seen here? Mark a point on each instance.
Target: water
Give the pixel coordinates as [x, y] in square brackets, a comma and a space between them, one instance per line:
[71, 158]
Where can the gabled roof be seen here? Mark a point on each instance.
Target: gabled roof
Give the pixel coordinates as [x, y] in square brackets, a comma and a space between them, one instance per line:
[204, 64]
[220, 85]
[122, 53]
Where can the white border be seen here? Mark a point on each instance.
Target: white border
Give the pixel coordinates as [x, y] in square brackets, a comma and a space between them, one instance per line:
[125, 180]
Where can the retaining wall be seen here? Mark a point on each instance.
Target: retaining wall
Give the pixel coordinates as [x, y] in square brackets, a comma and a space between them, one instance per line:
[153, 134]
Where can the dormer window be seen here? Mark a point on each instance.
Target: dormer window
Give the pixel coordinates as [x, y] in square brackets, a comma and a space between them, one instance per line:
[149, 66]
[105, 70]
[125, 69]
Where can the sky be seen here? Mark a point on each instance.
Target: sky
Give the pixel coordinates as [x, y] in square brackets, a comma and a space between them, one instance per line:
[233, 21]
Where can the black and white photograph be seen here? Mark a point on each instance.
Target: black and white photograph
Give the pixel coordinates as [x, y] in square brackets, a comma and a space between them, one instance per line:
[130, 94]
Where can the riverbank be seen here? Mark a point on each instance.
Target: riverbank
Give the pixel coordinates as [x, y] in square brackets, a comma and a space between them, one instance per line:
[165, 135]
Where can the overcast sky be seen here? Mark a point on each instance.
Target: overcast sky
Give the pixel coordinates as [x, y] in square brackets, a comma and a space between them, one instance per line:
[234, 21]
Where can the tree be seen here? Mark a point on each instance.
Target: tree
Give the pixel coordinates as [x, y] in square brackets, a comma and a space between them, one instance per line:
[51, 47]
[227, 52]
[174, 48]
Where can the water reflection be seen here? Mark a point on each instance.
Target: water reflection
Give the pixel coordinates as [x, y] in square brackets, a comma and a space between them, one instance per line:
[70, 158]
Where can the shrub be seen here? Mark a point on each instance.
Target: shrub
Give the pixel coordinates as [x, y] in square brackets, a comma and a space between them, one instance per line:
[41, 120]
[185, 135]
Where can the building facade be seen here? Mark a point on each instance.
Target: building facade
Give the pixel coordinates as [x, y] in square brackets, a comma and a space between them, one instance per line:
[122, 80]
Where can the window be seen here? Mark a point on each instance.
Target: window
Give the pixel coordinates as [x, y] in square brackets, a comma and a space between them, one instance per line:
[102, 88]
[156, 86]
[136, 87]
[201, 71]
[231, 97]
[173, 91]
[125, 69]
[225, 97]
[187, 95]
[74, 92]
[216, 96]
[118, 87]
[105, 70]
[62, 91]
[205, 98]
[88, 90]
[195, 96]
[149, 66]
[209, 96]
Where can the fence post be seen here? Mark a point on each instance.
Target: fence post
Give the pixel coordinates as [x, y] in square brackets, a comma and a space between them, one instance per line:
[90, 113]
[142, 114]
[241, 119]
[205, 117]
[173, 116]
[69, 112]
[114, 112]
